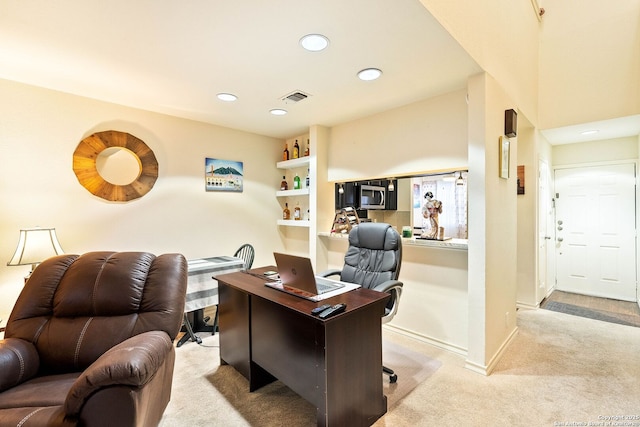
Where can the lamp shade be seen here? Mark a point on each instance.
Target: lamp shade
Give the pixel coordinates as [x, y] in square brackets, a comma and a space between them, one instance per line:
[36, 245]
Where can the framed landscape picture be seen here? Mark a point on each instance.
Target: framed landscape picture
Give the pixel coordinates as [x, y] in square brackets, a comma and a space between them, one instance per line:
[223, 175]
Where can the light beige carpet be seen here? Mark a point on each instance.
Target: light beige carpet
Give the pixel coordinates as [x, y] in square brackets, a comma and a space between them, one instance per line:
[559, 370]
[207, 394]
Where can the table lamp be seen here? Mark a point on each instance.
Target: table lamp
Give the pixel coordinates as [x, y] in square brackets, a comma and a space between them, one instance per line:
[35, 245]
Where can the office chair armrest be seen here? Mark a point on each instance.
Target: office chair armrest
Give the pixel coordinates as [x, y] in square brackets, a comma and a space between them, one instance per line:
[133, 362]
[327, 273]
[388, 285]
[19, 361]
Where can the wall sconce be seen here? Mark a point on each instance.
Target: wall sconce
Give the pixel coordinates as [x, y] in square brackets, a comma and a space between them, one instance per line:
[460, 180]
[34, 246]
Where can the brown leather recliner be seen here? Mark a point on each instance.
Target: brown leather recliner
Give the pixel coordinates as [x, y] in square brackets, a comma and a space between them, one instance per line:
[90, 341]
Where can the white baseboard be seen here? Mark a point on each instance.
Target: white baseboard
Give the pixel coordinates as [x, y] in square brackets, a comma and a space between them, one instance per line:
[486, 370]
[432, 341]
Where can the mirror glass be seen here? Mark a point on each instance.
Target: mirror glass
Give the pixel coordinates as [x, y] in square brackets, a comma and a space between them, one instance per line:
[118, 166]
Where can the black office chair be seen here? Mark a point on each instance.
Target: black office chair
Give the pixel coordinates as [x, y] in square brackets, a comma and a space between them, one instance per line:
[373, 261]
[247, 253]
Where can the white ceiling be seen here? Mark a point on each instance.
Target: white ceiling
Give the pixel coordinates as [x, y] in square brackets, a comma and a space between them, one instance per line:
[173, 57]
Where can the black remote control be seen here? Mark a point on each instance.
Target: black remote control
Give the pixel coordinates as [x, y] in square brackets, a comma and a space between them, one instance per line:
[332, 311]
[320, 309]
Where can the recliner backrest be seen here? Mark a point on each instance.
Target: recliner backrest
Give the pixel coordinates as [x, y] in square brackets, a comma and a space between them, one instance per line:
[74, 308]
[374, 255]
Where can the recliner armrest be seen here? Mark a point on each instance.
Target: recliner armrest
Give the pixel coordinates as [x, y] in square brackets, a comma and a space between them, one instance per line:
[133, 362]
[19, 361]
[327, 273]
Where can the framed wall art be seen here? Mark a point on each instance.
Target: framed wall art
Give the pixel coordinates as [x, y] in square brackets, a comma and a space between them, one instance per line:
[223, 175]
[504, 149]
[520, 179]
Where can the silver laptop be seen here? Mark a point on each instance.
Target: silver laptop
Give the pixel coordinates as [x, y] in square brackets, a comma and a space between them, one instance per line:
[297, 278]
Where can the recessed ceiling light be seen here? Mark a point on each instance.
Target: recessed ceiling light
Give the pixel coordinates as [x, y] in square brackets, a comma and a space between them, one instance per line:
[278, 112]
[226, 97]
[369, 74]
[314, 42]
[589, 132]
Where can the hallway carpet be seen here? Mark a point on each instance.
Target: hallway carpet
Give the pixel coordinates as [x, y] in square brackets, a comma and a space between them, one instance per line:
[605, 316]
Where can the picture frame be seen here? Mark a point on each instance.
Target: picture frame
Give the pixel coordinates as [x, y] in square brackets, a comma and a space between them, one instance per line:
[520, 179]
[223, 175]
[504, 155]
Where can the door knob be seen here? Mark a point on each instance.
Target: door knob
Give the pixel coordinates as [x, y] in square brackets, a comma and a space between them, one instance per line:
[547, 237]
[560, 228]
[560, 239]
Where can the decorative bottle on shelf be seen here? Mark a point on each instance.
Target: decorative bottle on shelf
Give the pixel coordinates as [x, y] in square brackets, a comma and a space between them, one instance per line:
[286, 214]
[296, 182]
[296, 150]
[296, 212]
[306, 180]
[283, 184]
[285, 153]
[306, 150]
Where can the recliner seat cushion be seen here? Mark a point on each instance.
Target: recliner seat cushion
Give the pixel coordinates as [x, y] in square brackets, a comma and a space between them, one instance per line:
[90, 303]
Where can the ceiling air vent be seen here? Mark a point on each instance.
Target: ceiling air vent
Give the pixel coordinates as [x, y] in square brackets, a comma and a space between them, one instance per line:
[296, 96]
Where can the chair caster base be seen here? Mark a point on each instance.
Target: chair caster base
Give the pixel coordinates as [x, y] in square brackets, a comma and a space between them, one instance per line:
[392, 375]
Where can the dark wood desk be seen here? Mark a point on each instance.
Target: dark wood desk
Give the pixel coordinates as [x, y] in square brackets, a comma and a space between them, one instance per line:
[336, 364]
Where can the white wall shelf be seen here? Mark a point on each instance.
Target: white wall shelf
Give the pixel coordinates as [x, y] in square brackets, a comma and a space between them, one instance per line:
[458, 244]
[294, 223]
[293, 163]
[287, 193]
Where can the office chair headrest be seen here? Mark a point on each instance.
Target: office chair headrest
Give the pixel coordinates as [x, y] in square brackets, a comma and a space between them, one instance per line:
[373, 235]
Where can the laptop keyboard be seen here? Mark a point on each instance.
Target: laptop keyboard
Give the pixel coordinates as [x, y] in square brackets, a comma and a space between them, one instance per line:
[326, 285]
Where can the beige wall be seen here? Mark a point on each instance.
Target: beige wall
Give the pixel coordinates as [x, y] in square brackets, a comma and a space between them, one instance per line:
[527, 221]
[601, 41]
[40, 129]
[430, 135]
[596, 151]
[502, 36]
[492, 227]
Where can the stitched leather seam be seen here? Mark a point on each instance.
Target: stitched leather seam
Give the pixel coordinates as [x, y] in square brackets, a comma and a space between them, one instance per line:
[36, 336]
[95, 285]
[24, 420]
[76, 356]
[21, 363]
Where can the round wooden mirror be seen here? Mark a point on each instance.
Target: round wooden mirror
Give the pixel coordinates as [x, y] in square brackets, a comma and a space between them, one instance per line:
[118, 166]
[115, 166]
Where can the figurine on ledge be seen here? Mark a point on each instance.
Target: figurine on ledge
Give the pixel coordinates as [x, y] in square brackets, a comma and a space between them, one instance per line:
[430, 211]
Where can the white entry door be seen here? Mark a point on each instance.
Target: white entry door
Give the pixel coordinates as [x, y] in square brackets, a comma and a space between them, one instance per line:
[546, 270]
[595, 231]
